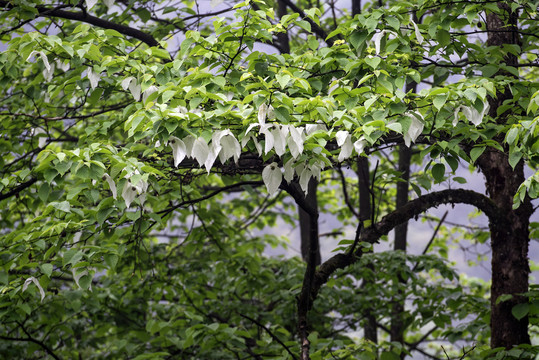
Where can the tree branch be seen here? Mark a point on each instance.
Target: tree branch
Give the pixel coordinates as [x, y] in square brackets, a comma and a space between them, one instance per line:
[45, 11]
[314, 26]
[412, 209]
[18, 189]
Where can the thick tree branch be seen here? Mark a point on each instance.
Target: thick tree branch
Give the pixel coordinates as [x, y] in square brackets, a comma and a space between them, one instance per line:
[314, 26]
[47, 349]
[45, 11]
[412, 209]
[17, 189]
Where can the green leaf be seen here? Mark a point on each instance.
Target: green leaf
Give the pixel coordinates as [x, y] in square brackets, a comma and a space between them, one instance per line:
[519, 311]
[64, 206]
[46, 269]
[439, 101]
[438, 172]
[476, 152]
[44, 191]
[443, 37]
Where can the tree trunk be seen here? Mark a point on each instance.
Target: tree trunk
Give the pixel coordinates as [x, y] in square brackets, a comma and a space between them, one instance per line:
[305, 224]
[365, 213]
[510, 267]
[401, 232]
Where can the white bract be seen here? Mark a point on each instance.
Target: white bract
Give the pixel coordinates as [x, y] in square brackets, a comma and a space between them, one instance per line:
[295, 141]
[90, 4]
[416, 128]
[471, 113]
[112, 185]
[418, 35]
[93, 77]
[131, 84]
[150, 90]
[179, 150]
[36, 283]
[43, 58]
[289, 170]
[344, 140]
[377, 38]
[359, 145]
[77, 276]
[272, 177]
[200, 150]
[130, 190]
[262, 113]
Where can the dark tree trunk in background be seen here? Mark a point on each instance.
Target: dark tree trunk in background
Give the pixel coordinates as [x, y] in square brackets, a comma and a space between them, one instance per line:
[356, 7]
[510, 267]
[305, 223]
[282, 38]
[401, 231]
[365, 213]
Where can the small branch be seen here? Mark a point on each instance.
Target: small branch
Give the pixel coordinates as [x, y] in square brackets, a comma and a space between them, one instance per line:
[194, 201]
[92, 20]
[314, 26]
[345, 193]
[18, 189]
[273, 336]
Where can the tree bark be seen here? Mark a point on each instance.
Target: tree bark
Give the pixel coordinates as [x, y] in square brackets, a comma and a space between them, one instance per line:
[401, 232]
[305, 224]
[365, 214]
[510, 267]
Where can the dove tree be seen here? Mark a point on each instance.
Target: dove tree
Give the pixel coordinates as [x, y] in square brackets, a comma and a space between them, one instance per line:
[151, 150]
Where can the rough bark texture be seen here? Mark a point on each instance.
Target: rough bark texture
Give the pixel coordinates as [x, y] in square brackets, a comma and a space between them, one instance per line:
[510, 267]
[365, 213]
[401, 232]
[305, 223]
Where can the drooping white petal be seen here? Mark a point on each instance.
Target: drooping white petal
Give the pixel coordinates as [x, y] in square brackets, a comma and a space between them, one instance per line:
[189, 141]
[112, 185]
[36, 283]
[270, 141]
[129, 193]
[289, 170]
[135, 89]
[43, 58]
[344, 140]
[262, 113]
[456, 115]
[418, 35]
[150, 90]
[200, 150]
[178, 150]
[126, 82]
[42, 140]
[377, 38]
[64, 66]
[279, 136]
[311, 128]
[90, 4]
[109, 3]
[416, 128]
[272, 177]
[295, 141]
[341, 137]
[304, 178]
[346, 149]
[93, 77]
[271, 113]
[210, 160]
[359, 145]
[474, 116]
[49, 72]
[231, 147]
[316, 169]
